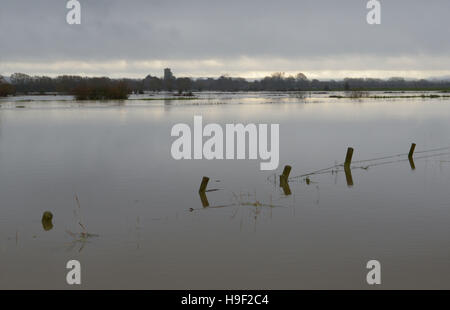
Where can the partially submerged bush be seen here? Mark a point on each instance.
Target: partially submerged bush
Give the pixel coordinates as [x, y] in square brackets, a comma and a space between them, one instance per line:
[101, 89]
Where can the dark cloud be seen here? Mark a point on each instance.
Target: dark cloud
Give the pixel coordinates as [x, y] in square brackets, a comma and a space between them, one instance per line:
[138, 30]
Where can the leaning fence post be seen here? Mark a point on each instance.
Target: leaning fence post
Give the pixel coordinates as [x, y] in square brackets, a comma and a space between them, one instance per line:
[287, 171]
[348, 157]
[284, 180]
[411, 150]
[285, 186]
[203, 185]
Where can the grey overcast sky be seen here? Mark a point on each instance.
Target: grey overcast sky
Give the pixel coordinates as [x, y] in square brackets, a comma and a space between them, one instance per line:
[249, 38]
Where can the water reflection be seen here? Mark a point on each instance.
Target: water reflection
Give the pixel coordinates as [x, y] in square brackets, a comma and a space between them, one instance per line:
[204, 199]
[79, 239]
[348, 175]
[251, 233]
[411, 163]
[284, 184]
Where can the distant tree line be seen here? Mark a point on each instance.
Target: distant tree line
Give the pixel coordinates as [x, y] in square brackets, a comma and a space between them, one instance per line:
[6, 88]
[82, 88]
[106, 88]
[100, 89]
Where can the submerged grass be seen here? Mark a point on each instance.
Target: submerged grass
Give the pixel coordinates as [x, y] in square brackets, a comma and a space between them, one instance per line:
[80, 237]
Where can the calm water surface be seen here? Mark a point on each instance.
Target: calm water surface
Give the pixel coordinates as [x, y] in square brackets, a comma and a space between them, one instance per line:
[105, 170]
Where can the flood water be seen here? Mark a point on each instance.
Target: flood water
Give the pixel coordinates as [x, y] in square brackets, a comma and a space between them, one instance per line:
[134, 219]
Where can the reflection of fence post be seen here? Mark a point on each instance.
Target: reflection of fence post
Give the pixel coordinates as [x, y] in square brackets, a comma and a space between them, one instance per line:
[348, 175]
[411, 150]
[411, 163]
[204, 199]
[285, 186]
[348, 157]
[203, 185]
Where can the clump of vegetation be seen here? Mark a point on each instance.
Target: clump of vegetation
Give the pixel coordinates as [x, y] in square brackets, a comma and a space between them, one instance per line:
[47, 220]
[101, 89]
[6, 89]
[356, 94]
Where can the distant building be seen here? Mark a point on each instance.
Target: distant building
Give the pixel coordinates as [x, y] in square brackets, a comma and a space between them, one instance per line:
[168, 74]
[169, 80]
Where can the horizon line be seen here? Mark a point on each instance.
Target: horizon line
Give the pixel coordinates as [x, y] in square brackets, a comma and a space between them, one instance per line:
[251, 79]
